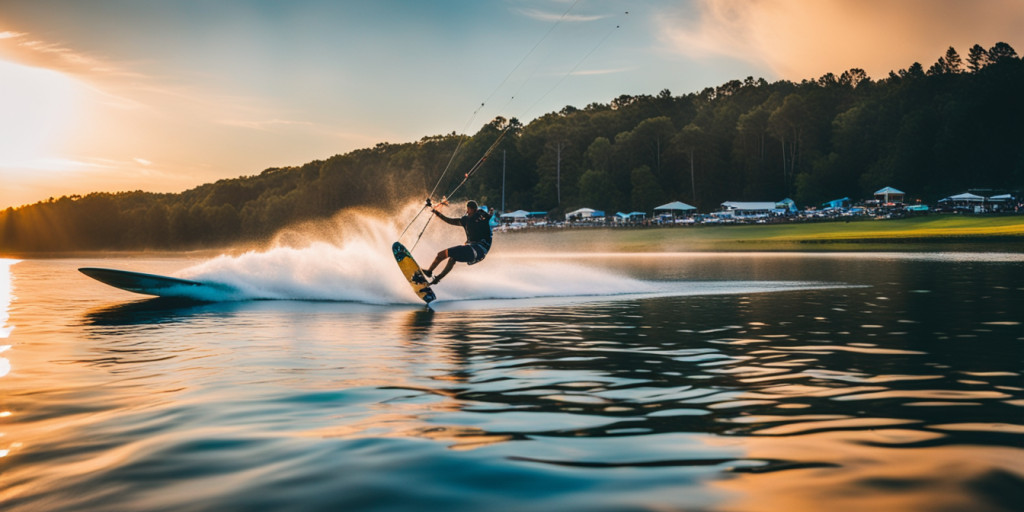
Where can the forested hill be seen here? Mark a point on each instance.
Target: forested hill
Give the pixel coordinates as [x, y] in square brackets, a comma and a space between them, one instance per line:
[932, 132]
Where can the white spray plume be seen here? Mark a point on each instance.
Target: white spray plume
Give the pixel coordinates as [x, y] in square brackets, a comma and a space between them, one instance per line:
[349, 259]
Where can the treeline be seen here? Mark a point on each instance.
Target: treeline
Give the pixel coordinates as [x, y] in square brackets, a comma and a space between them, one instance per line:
[931, 132]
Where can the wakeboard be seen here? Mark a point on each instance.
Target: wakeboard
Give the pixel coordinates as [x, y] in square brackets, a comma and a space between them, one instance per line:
[153, 284]
[413, 273]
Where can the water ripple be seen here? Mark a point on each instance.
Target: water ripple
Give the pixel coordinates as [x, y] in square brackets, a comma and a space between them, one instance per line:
[860, 397]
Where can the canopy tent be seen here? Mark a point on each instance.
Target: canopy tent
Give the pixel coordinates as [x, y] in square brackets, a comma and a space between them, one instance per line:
[966, 197]
[748, 207]
[837, 203]
[1002, 202]
[786, 205]
[675, 206]
[622, 217]
[584, 213]
[889, 195]
[518, 214]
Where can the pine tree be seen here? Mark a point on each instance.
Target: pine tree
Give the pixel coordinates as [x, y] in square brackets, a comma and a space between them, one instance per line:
[977, 58]
[953, 62]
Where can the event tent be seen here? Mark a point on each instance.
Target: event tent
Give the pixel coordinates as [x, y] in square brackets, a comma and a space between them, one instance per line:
[966, 197]
[518, 214]
[748, 207]
[889, 195]
[675, 206]
[584, 213]
[837, 203]
[630, 217]
[786, 205]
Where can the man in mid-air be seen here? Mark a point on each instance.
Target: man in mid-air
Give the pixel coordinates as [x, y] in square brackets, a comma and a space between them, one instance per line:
[477, 224]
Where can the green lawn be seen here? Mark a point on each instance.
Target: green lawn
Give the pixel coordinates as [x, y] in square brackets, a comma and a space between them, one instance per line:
[920, 233]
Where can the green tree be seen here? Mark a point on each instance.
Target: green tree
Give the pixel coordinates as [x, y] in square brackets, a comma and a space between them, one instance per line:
[646, 193]
[690, 140]
[787, 124]
[977, 58]
[651, 137]
[596, 189]
[1001, 52]
[953, 62]
[854, 77]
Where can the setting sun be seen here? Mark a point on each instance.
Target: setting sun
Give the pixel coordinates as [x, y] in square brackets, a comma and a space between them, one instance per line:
[39, 107]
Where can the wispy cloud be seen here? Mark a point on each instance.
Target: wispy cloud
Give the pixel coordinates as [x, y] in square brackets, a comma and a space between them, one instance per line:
[120, 87]
[23, 48]
[596, 72]
[265, 125]
[550, 16]
[50, 164]
[797, 39]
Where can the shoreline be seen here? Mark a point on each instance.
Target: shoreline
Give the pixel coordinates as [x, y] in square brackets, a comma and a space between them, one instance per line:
[933, 233]
[987, 234]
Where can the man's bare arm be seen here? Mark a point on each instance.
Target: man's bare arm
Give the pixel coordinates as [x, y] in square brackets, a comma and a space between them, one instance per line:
[447, 219]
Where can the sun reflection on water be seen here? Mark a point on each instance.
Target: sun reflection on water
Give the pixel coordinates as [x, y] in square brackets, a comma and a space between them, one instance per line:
[6, 296]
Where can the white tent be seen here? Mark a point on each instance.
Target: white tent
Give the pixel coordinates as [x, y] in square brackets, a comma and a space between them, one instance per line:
[748, 207]
[965, 197]
[675, 206]
[518, 214]
[582, 213]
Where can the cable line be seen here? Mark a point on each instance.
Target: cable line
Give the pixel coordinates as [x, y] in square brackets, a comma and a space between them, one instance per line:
[578, 64]
[501, 135]
[496, 89]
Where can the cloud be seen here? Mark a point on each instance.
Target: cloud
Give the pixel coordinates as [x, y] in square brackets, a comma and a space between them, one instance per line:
[267, 124]
[594, 72]
[798, 39]
[22, 48]
[554, 16]
[548, 16]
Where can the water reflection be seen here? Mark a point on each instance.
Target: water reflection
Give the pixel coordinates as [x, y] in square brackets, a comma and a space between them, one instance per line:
[6, 297]
[747, 368]
[149, 311]
[860, 396]
[418, 323]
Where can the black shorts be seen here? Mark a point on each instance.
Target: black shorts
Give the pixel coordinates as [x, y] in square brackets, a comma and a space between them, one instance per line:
[468, 253]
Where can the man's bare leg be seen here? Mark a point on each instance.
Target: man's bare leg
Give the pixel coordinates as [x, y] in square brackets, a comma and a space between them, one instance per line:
[447, 268]
[437, 261]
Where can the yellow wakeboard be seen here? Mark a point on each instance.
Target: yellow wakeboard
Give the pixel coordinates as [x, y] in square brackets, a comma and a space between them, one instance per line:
[413, 273]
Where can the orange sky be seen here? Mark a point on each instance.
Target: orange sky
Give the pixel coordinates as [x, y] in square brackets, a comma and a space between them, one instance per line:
[799, 39]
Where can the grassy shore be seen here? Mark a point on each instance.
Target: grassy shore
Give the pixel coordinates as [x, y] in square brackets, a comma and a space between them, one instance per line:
[935, 232]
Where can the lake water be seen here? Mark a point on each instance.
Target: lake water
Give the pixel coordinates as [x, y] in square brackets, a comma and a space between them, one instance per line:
[540, 381]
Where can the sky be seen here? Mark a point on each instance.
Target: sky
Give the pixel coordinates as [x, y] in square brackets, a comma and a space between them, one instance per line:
[165, 95]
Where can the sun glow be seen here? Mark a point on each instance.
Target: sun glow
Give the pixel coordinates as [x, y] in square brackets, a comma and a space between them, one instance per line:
[6, 297]
[37, 109]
